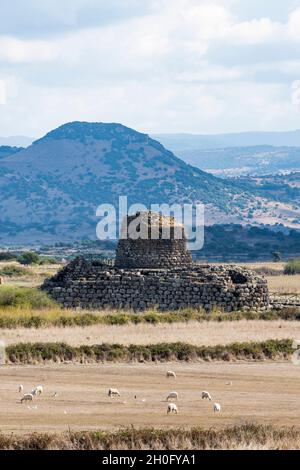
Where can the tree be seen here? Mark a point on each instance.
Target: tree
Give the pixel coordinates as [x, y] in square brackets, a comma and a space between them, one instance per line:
[276, 256]
[29, 257]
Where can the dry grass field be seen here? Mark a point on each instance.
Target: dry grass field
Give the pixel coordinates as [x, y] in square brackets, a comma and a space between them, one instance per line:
[260, 393]
[284, 284]
[204, 333]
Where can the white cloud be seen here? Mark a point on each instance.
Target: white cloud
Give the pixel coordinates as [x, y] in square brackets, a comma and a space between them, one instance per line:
[23, 51]
[296, 93]
[158, 72]
[2, 92]
[294, 24]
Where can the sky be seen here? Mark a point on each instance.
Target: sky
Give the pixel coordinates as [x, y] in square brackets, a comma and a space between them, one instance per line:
[159, 66]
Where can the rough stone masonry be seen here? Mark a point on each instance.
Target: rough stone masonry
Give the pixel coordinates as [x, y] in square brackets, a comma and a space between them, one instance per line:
[157, 273]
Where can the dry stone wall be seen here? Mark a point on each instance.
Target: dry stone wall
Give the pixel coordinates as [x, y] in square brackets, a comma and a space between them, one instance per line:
[152, 253]
[97, 285]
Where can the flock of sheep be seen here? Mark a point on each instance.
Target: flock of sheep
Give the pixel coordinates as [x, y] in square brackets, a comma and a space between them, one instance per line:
[114, 392]
[29, 396]
[172, 407]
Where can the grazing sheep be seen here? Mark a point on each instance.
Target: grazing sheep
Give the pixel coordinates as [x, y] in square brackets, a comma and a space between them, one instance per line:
[27, 397]
[217, 408]
[170, 373]
[206, 396]
[172, 408]
[113, 392]
[37, 390]
[172, 395]
[229, 383]
[21, 388]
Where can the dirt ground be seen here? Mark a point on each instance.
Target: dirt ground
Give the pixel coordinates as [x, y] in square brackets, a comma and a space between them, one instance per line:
[261, 393]
[206, 333]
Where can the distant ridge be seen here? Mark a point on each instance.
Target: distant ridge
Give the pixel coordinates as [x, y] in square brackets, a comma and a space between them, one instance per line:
[178, 142]
[16, 141]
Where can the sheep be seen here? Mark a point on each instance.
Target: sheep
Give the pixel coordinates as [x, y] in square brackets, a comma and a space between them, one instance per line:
[27, 397]
[172, 395]
[37, 390]
[21, 388]
[217, 408]
[206, 396]
[172, 408]
[170, 373]
[113, 392]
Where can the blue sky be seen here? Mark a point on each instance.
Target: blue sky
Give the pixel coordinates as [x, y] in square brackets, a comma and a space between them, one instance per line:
[156, 65]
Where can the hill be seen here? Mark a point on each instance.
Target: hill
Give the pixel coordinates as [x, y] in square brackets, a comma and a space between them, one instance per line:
[5, 151]
[50, 191]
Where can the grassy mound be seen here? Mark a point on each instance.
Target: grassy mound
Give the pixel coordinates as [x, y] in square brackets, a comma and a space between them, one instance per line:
[14, 271]
[24, 297]
[164, 352]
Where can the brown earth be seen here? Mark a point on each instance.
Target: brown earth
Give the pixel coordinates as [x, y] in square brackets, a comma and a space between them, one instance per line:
[265, 393]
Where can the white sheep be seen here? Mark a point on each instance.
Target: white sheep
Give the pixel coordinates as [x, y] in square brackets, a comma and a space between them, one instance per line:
[21, 388]
[172, 395]
[206, 396]
[172, 408]
[170, 373]
[217, 408]
[39, 390]
[113, 392]
[27, 397]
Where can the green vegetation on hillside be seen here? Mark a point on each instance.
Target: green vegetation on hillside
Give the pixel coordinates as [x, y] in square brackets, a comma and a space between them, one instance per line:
[238, 243]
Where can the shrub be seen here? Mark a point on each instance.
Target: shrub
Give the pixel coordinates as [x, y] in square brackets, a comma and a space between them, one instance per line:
[29, 257]
[24, 297]
[248, 436]
[7, 256]
[292, 266]
[253, 351]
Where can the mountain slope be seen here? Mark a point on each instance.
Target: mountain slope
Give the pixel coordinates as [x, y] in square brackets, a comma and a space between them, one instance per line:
[51, 189]
[6, 151]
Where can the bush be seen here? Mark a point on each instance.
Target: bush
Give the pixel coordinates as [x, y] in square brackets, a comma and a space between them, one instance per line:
[29, 257]
[164, 352]
[249, 436]
[46, 260]
[24, 297]
[292, 266]
[7, 256]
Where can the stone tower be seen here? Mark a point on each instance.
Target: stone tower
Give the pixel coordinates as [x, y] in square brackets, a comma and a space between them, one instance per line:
[162, 243]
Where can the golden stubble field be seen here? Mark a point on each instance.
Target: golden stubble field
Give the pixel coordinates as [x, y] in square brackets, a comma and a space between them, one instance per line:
[208, 333]
[264, 393]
